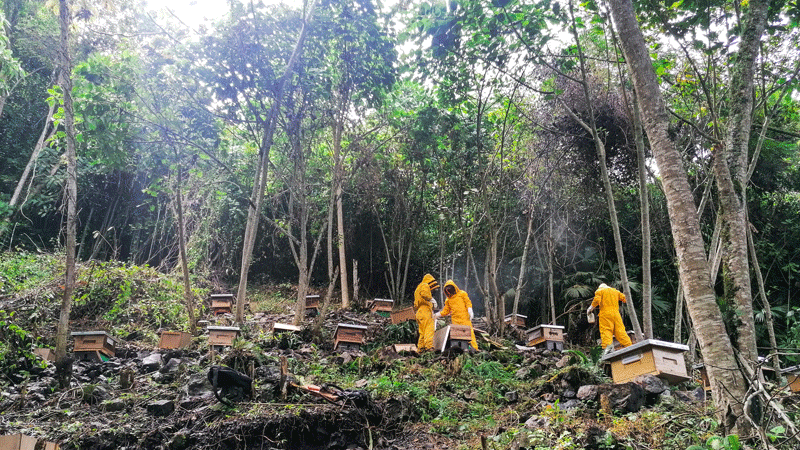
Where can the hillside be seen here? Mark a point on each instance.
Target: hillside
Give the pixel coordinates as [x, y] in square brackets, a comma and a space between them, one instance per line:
[503, 397]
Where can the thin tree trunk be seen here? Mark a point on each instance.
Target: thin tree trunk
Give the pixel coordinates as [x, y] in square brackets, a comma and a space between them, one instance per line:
[85, 232]
[550, 251]
[45, 135]
[730, 166]
[187, 288]
[522, 268]
[769, 321]
[612, 209]
[355, 282]
[339, 176]
[727, 383]
[71, 197]
[644, 206]
[254, 211]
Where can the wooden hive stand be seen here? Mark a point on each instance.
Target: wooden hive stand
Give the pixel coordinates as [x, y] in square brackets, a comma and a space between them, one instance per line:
[222, 304]
[704, 380]
[23, 442]
[403, 315]
[452, 336]
[349, 336]
[548, 336]
[518, 321]
[95, 346]
[792, 375]
[650, 356]
[312, 304]
[174, 339]
[221, 337]
[381, 305]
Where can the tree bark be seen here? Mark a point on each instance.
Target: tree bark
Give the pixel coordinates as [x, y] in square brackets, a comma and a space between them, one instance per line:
[727, 383]
[187, 288]
[46, 134]
[254, 211]
[71, 198]
[730, 168]
[644, 206]
[522, 267]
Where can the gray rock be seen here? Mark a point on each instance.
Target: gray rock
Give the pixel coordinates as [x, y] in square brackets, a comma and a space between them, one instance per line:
[113, 405]
[522, 373]
[569, 393]
[571, 404]
[151, 363]
[161, 408]
[563, 362]
[651, 384]
[171, 366]
[198, 385]
[537, 422]
[587, 392]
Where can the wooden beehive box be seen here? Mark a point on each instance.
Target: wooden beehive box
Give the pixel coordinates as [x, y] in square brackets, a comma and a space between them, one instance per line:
[312, 303]
[45, 353]
[222, 303]
[518, 321]
[548, 336]
[349, 336]
[403, 315]
[650, 356]
[405, 348]
[452, 336]
[278, 327]
[381, 305]
[222, 336]
[174, 339]
[792, 375]
[23, 442]
[94, 345]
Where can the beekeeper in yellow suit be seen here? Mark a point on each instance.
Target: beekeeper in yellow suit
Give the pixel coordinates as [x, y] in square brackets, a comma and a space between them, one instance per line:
[424, 304]
[459, 305]
[611, 326]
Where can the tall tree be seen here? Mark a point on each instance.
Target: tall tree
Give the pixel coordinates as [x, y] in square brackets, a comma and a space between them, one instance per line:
[70, 194]
[728, 385]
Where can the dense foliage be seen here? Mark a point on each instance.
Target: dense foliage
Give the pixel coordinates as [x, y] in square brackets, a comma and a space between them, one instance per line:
[457, 122]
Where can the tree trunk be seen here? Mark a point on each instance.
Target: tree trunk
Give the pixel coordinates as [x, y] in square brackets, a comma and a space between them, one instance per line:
[768, 320]
[338, 181]
[45, 135]
[254, 211]
[727, 383]
[730, 168]
[522, 267]
[187, 288]
[71, 197]
[644, 206]
[612, 209]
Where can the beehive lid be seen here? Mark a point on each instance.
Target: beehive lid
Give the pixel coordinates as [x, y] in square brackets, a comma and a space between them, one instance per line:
[214, 328]
[383, 300]
[518, 316]
[312, 296]
[350, 326]
[221, 296]
[643, 344]
[791, 370]
[561, 327]
[281, 327]
[94, 333]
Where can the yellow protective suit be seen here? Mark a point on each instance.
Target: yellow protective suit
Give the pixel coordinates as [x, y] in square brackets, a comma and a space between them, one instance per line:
[611, 326]
[423, 305]
[458, 305]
